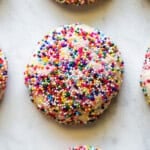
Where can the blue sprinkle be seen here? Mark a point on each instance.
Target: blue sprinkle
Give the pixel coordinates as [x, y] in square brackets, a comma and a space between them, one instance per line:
[91, 97]
[77, 113]
[50, 98]
[72, 64]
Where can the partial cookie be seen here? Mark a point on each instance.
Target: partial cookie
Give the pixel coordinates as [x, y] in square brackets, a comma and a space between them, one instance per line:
[3, 74]
[76, 2]
[85, 147]
[145, 76]
[74, 73]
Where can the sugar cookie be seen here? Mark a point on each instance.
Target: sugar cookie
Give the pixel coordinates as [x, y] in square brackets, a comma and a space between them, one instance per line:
[145, 76]
[74, 73]
[85, 147]
[3, 74]
[76, 2]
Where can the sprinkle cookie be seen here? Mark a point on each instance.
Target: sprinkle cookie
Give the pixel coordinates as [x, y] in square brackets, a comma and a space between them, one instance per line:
[74, 73]
[3, 74]
[145, 76]
[84, 148]
[76, 2]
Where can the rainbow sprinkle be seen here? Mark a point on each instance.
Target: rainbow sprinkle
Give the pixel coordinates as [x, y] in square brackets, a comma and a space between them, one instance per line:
[74, 73]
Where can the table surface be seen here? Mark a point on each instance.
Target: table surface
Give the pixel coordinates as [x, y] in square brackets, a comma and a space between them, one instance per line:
[125, 125]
